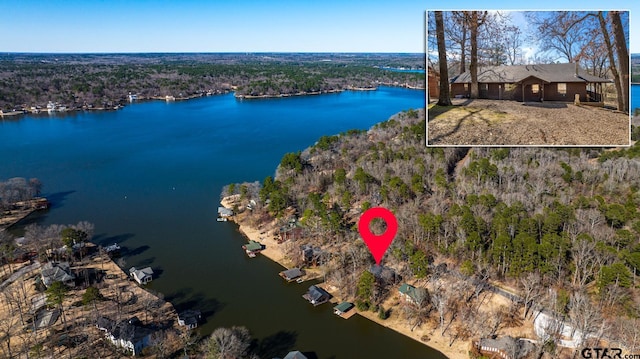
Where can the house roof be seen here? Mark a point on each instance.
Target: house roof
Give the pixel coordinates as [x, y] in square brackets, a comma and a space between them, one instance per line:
[190, 316]
[127, 330]
[569, 72]
[253, 246]
[295, 355]
[292, 273]
[141, 273]
[343, 307]
[317, 293]
[56, 272]
[408, 289]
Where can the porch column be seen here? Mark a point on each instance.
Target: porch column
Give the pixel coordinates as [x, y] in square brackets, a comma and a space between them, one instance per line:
[541, 92]
[523, 92]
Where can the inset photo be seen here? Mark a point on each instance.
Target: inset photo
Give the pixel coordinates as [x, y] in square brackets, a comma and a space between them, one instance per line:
[528, 78]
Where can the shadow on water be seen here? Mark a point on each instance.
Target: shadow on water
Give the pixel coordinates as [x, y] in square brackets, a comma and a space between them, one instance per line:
[126, 252]
[147, 263]
[103, 240]
[56, 200]
[276, 345]
[208, 307]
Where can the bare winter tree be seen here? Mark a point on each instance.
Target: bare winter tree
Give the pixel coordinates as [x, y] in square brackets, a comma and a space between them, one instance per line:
[227, 343]
[445, 98]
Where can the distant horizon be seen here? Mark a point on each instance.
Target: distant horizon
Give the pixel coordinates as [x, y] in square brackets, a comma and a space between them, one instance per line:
[254, 26]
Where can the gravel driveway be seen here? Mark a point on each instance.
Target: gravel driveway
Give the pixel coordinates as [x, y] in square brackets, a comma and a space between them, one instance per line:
[506, 123]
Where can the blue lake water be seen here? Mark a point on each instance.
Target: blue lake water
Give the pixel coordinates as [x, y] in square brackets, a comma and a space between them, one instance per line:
[635, 97]
[149, 177]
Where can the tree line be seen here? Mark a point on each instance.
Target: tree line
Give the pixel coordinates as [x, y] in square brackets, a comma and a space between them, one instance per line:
[102, 81]
[551, 222]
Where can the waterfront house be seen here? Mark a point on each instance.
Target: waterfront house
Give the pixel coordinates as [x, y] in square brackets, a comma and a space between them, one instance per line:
[408, 293]
[224, 212]
[252, 248]
[342, 308]
[316, 295]
[129, 334]
[142, 276]
[291, 274]
[542, 82]
[313, 255]
[385, 275]
[189, 318]
[57, 272]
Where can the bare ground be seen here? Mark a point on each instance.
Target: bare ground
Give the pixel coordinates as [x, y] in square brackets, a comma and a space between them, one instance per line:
[506, 123]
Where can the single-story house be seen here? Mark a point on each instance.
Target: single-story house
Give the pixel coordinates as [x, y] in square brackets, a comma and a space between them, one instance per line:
[291, 274]
[316, 295]
[544, 82]
[189, 318]
[128, 334]
[142, 276]
[57, 272]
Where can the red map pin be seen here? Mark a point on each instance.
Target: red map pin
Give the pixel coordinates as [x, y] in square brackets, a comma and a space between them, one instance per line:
[378, 244]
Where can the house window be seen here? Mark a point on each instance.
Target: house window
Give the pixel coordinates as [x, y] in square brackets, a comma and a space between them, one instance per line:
[484, 87]
[466, 87]
[562, 88]
[535, 88]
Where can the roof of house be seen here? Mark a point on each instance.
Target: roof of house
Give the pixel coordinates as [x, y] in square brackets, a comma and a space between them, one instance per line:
[408, 290]
[316, 293]
[343, 307]
[127, 330]
[190, 316]
[569, 72]
[295, 355]
[292, 273]
[141, 273]
[225, 211]
[56, 272]
[253, 246]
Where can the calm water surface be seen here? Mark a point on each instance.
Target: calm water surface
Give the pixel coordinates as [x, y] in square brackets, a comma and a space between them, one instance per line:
[635, 97]
[149, 176]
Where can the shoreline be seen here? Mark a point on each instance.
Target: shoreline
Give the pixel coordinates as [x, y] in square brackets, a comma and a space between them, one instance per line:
[274, 252]
[170, 98]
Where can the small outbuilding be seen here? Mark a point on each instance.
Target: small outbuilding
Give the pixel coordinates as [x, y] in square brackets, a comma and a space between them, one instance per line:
[316, 295]
[142, 276]
[291, 274]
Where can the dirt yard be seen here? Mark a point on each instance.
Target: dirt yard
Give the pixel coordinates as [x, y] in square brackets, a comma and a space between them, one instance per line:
[507, 123]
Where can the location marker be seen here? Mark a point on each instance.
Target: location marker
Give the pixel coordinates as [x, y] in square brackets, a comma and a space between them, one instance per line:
[378, 244]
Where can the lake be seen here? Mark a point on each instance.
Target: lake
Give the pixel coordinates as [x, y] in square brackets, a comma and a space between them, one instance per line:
[635, 97]
[149, 177]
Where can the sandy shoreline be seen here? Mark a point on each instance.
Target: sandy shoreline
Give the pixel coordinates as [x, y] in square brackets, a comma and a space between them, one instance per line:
[274, 251]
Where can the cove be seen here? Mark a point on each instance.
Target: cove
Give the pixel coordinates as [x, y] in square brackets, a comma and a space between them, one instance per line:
[149, 177]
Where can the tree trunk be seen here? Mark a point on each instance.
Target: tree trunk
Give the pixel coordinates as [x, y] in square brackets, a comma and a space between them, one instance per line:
[444, 99]
[612, 62]
[623, 56]
[473, 66]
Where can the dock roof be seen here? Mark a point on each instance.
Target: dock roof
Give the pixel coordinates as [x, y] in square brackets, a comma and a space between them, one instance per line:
[343, 307]
[253, 246]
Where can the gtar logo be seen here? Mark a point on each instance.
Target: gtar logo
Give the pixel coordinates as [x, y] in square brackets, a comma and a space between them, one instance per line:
[602, 353]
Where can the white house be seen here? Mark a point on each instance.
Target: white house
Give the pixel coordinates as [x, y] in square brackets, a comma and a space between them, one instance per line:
[128, 334]
[142, 276]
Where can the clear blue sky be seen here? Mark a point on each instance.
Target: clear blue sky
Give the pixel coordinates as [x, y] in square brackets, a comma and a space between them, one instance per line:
[241, 25]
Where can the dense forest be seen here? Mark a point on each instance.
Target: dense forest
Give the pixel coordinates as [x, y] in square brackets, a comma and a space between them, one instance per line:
[104, 81]
[560, 225]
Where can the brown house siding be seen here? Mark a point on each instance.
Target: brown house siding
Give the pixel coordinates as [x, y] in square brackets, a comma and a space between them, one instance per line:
[459, 90]
[433, 81]
[514, 91]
